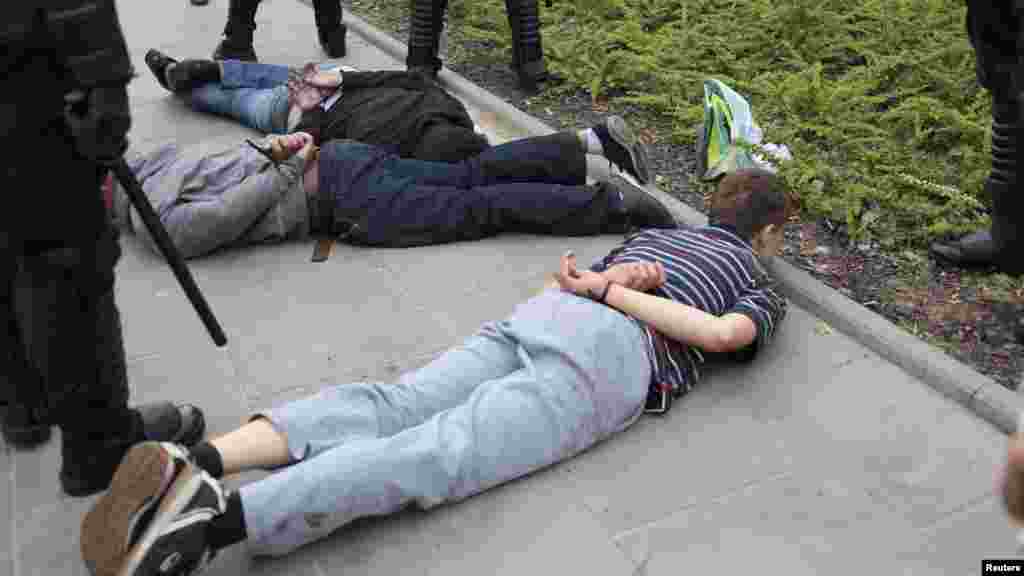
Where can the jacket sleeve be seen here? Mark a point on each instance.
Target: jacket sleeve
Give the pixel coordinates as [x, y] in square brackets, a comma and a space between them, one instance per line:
[203, 225]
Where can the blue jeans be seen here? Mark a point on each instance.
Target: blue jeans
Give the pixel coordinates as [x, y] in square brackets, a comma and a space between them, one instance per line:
[254, 94]
[516, 397]
[532, 185]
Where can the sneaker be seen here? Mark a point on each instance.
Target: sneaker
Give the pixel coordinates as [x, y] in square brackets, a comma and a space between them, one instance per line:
[153, 520]
[623, 148]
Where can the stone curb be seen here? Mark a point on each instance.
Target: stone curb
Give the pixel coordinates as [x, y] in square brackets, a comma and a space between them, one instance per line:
[976, 392]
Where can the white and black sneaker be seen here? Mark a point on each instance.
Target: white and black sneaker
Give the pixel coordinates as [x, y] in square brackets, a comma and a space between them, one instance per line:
[153, 519]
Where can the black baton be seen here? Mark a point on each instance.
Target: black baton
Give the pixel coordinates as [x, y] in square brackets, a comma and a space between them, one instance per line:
[138, 198]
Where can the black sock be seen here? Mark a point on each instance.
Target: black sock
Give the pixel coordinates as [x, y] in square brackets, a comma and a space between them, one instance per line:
[229, 527]
[613, 151]
[207, 458]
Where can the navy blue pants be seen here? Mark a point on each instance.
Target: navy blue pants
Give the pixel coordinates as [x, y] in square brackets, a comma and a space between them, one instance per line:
[533, 185]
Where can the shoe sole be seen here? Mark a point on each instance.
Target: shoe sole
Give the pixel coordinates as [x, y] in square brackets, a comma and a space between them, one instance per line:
[623, 134]
[145, 472]
[177, 497]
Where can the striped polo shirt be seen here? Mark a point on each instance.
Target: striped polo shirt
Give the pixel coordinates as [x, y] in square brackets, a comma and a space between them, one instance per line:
[710, 268]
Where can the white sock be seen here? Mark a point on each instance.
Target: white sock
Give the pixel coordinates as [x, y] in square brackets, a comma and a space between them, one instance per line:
[599, 169]
[591, 143]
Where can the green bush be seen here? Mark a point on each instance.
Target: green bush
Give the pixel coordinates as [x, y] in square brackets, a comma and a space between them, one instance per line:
[876, 99]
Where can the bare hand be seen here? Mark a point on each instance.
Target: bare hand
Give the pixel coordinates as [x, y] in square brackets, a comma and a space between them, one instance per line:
[639, 276]
[580, 282]
[284, 147]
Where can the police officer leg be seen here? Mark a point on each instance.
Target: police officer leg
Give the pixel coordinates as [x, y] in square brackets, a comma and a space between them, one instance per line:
[527, 53]
[426, 20]
[71, 327]
[22, 393]
[238, 32]
[330, 30]
[995, 30]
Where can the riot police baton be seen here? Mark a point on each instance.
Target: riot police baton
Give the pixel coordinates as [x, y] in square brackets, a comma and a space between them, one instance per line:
[138, 198]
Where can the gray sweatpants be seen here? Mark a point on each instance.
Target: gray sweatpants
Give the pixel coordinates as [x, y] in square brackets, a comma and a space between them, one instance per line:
[559, 375]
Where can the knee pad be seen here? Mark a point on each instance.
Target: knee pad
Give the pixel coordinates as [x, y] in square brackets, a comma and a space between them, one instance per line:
[1006, 128]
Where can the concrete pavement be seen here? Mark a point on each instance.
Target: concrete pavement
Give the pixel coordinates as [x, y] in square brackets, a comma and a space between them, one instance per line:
[820, 458]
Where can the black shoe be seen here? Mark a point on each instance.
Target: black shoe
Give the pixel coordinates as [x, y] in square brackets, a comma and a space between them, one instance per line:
[333, 41]
[643, 209]
[158, 62]
[199, 2]
[154, 518]
[88, 465]
[22, 430]
[235, 49]
[973, 250]
[623, 148]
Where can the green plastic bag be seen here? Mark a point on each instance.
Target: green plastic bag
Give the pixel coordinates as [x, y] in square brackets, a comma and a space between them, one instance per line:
[728, 122]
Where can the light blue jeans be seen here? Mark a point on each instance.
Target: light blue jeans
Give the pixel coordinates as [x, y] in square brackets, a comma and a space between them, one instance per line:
[255, 94]
[559, 375]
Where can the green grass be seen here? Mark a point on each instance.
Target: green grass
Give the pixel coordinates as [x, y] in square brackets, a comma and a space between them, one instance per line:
[876, 99]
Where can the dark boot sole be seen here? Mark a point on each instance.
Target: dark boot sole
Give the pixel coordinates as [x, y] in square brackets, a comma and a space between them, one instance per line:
[144, 474]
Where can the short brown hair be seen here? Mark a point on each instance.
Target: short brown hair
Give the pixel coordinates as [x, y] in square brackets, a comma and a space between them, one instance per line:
[750, 199]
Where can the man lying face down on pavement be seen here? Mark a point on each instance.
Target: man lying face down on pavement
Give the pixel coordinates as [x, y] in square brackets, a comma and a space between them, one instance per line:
[368, 196]
[571, 367]
[406, 112]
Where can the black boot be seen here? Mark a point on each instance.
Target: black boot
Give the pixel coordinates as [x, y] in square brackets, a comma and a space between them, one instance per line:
[237, 42]
[330, 30]
[527, 53]
[1004, 244]
[425, 36]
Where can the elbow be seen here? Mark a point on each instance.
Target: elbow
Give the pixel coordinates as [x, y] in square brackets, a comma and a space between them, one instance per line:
[722, 339]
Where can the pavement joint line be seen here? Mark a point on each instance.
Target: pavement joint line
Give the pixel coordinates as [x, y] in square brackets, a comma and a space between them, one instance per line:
[714, 500]
[939, 371]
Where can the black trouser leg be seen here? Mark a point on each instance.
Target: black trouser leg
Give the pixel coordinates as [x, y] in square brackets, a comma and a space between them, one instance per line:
[1003, 184]
[69, 325]
[238, 32]
[328, 14]
[427, 17]
[241, 20]
[21, 391]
